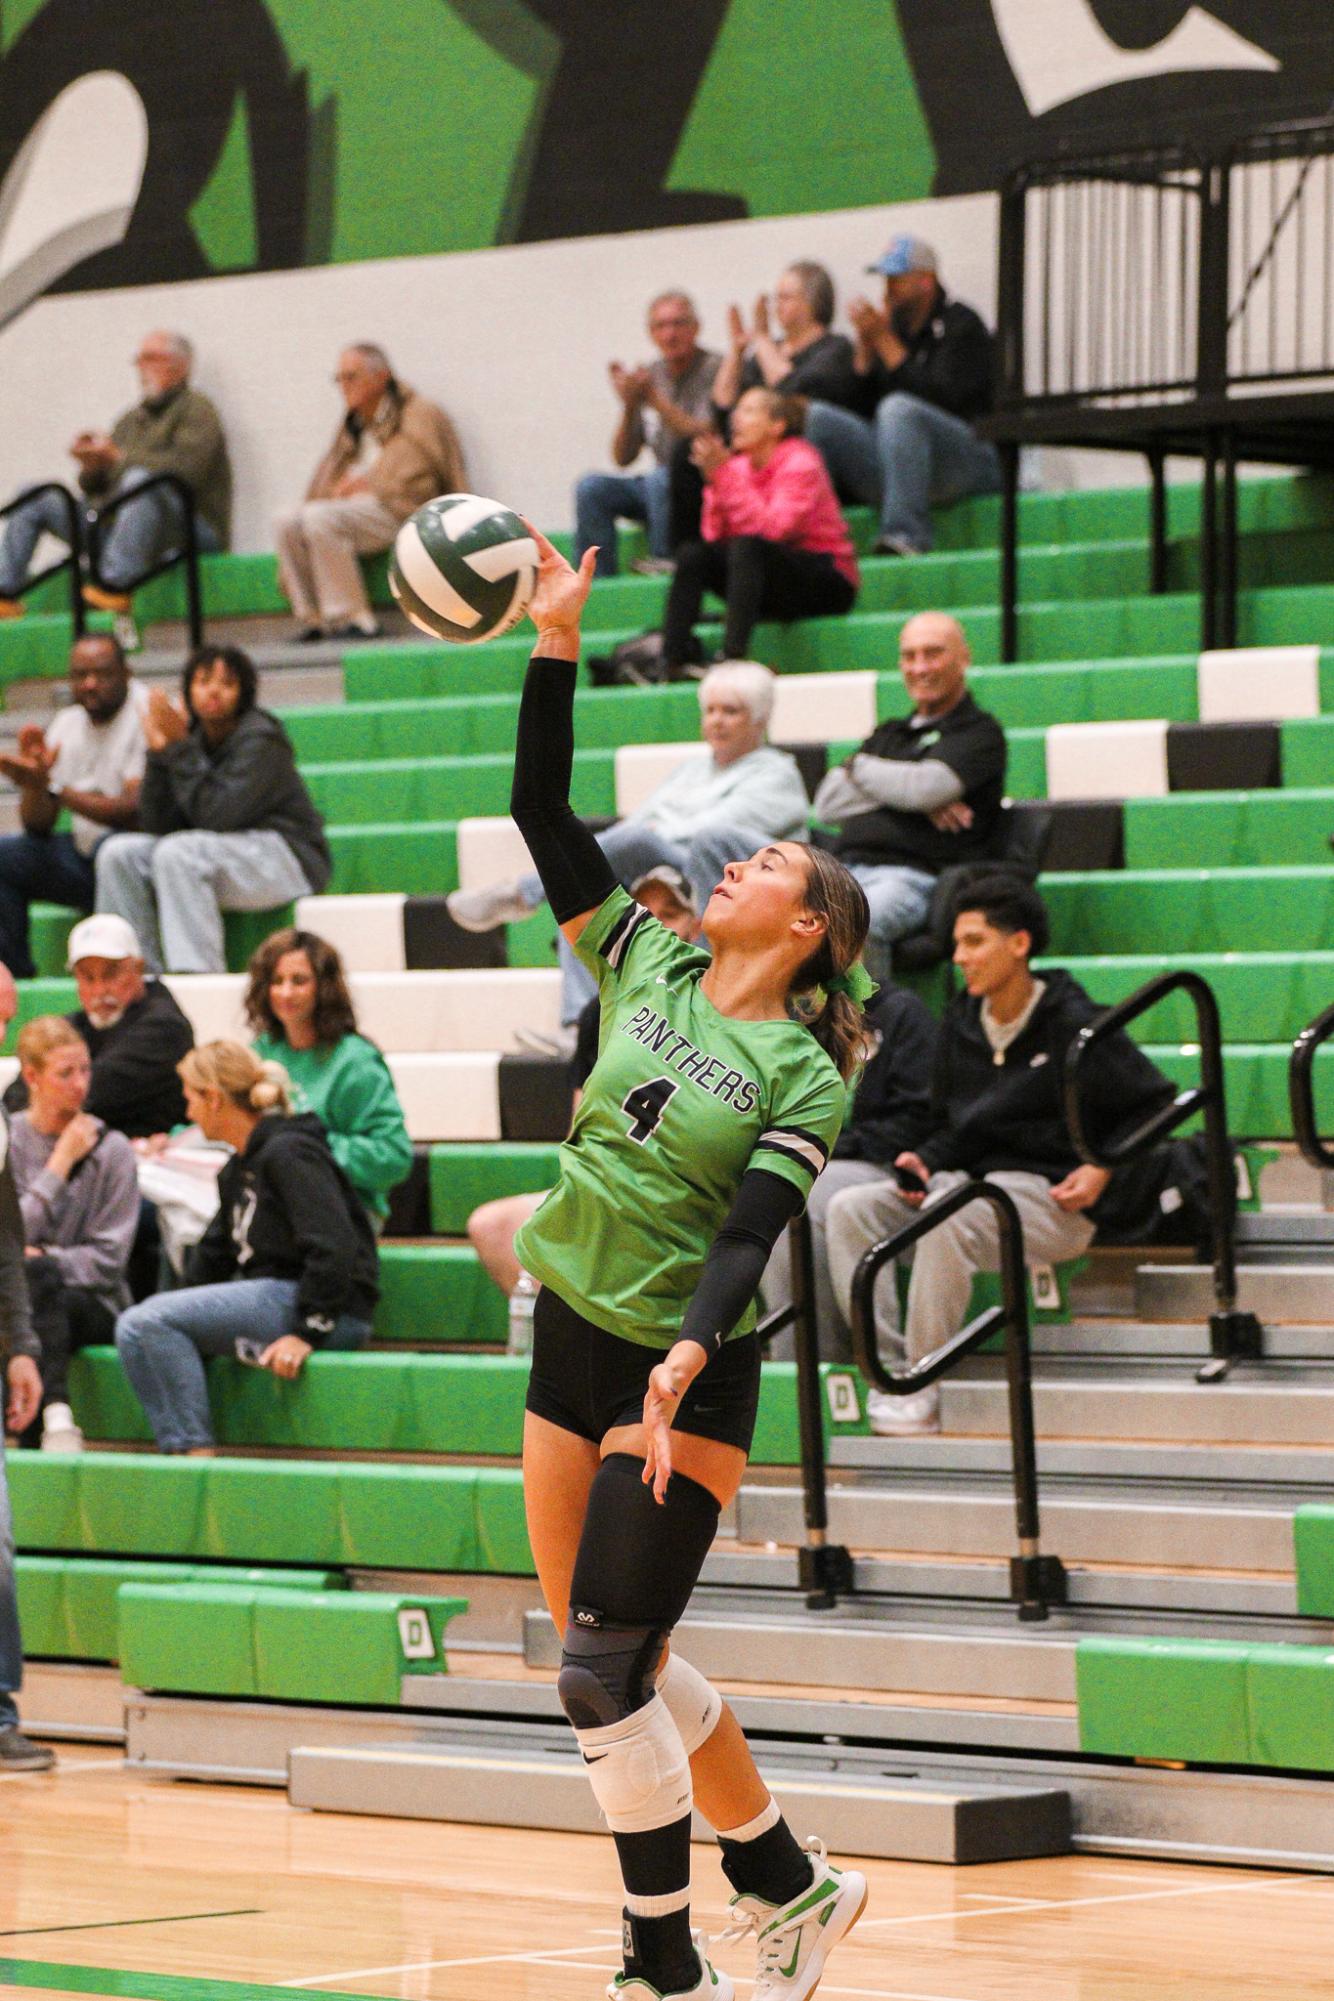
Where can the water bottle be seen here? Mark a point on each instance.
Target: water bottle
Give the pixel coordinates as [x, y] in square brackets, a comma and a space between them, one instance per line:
[522, 1301]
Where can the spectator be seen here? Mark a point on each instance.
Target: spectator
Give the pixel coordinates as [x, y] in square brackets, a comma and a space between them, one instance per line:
[924, 792]
[803, 359]
[135, 1032]
[173, 428]
[89, 762]
[79, 1197]
[301, 1015]
[228, 824]
[286, 1266]
[664, 892]
[392, 450]
[21, 1385]
[661, 404]
[924, 366]
[722, 802]
[996, 1113]
[775, 544]
[891, 1114]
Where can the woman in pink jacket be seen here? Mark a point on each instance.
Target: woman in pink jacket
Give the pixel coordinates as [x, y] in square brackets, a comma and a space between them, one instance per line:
[775, 542]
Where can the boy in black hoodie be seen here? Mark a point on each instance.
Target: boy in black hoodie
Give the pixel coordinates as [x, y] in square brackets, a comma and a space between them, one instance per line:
[996, 1114]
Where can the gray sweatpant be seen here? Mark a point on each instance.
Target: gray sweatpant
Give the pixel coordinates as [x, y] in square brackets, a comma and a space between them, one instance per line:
[946, 1261]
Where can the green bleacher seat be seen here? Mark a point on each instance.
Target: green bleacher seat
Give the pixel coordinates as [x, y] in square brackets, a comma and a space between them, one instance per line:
[1164, 1699]
[67, 1604]
[464, 1176]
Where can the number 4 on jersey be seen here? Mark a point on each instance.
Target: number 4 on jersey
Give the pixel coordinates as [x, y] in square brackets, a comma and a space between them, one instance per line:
[645, 1105]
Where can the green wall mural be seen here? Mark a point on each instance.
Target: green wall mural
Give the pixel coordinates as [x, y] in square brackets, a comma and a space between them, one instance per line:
[270, 134]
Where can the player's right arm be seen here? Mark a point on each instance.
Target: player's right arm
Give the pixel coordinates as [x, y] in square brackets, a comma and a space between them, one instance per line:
[575, 873]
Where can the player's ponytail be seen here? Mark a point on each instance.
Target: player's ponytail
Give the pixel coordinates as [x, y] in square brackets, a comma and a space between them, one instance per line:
[833, 1017]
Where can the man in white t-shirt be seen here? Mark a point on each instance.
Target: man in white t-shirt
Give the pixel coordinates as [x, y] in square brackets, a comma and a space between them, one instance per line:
[89, 762]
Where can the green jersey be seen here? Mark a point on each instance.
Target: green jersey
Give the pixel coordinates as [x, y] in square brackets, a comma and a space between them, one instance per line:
[682, 1100]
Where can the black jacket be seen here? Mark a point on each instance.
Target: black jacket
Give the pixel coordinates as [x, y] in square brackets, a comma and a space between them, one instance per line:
[135, 1088]
[972, 743]
[950, 362]
[249, 782]
[287, 1210]
[891, 1113]
[823, 372]
[990, 1113]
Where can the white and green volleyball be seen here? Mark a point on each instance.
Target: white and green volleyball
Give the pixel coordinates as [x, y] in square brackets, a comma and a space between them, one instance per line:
[463, 568]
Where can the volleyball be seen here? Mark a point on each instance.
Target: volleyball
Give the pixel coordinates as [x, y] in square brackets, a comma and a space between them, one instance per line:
[463, 568]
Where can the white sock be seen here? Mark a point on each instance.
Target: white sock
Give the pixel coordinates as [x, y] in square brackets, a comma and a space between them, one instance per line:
[58, 1417]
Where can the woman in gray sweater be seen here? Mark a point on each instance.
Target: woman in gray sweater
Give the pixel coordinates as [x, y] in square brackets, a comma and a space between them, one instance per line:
[79, 1196]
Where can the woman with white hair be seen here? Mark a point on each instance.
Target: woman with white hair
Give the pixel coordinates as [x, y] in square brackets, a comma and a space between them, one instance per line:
[725, 800]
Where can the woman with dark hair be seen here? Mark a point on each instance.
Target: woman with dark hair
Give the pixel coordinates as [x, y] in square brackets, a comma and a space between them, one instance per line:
[775, 544]
[718, 1093]
[301, 1015]
[228, 823]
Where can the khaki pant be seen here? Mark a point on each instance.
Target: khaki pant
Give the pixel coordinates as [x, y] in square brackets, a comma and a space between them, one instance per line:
[318, 545]
[945, 1261]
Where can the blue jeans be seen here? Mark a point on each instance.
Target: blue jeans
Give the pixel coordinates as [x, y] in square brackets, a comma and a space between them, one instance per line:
[173, 888]
[163, 1342]
[910, 458]
[11, 1646]
[633, 849]
[37, 866]
[900, 899]
[601, 498]
[136, 537]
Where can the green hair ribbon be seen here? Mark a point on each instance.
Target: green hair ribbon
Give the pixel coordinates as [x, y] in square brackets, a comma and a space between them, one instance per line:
[856, 983]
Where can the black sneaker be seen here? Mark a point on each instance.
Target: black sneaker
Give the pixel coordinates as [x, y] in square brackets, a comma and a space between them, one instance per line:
[356, 632]
[19, 1754]
[311, 635]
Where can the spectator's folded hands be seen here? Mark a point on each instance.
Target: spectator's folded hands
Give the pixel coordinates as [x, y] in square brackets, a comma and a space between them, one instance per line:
[913, 1163]
[955, 818]
[709, 453]
[867, 320]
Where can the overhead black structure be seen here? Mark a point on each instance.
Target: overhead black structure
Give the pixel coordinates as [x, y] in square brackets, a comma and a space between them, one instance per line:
[1170, 300]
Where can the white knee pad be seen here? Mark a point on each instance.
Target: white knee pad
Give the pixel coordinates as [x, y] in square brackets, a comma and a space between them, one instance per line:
[639, 1770]
[695, 1704]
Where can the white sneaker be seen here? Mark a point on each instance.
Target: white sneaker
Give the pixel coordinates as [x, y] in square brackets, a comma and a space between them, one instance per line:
[59, 1431]
[483, 909]
[711, 1985]
[794, 1940]
[900, 1417]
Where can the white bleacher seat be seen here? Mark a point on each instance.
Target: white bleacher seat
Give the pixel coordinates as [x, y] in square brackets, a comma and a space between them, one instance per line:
[489, 851]
[449, 1096]
[1259, 684]
[642, 767]
[823, 708]
[9, 1070]
[1107, 760]
[404, 1013]
[366, 930]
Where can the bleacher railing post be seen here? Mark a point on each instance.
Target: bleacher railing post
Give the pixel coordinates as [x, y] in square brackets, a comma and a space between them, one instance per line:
[1301, 1090]
[187, 553]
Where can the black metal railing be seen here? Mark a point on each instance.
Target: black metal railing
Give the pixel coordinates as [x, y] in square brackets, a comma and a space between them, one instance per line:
[1301, 1090]
[1036, 1581]
[71, 563]
[1233, 1336]
[187, 554]
[824, 1568]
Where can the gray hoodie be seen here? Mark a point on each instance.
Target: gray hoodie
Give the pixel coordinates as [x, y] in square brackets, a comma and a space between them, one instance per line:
[86, 1223]
[16, 1335]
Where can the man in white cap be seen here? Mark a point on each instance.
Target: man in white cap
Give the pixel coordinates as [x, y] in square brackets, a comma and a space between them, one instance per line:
[134, 1029]
[925, 363]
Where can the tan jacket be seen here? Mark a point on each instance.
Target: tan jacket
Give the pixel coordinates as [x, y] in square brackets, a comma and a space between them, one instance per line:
[420, 455]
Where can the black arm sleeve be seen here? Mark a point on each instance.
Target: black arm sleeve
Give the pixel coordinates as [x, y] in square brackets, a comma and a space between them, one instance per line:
[575, 873]
[764, 1206]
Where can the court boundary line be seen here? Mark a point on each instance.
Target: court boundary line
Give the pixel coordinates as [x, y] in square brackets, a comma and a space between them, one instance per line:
[123, 1924]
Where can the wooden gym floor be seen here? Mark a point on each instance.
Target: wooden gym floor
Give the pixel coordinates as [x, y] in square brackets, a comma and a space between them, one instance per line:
[111, 1884]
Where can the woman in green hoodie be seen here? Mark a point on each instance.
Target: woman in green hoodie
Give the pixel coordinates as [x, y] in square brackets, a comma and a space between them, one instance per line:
[301, 1015]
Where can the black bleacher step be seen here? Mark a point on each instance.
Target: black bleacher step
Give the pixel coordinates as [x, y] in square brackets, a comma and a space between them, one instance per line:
[535, 1097]
[1223, 757]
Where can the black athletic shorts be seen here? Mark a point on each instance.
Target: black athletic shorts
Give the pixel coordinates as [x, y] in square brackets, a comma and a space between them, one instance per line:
[589, 1382]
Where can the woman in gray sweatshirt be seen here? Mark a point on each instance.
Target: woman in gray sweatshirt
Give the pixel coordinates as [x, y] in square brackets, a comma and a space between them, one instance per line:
[79, 1195]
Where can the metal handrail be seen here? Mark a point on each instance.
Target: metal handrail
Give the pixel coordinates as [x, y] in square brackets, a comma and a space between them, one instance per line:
[1301, 1089]
[187, 554]
[1036, 1582]
[72, 561]
[824, 1569]
[1233, 1336]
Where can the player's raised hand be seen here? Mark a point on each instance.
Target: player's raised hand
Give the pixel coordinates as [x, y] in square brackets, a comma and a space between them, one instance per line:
[557, 604]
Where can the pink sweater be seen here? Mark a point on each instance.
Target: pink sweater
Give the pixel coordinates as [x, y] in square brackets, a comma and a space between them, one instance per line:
[789, 500]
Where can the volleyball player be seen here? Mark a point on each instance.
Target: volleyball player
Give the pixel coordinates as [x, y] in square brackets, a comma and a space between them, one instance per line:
[716, 1098]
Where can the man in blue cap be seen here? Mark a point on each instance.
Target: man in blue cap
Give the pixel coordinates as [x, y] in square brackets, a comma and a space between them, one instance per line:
[925, 365]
